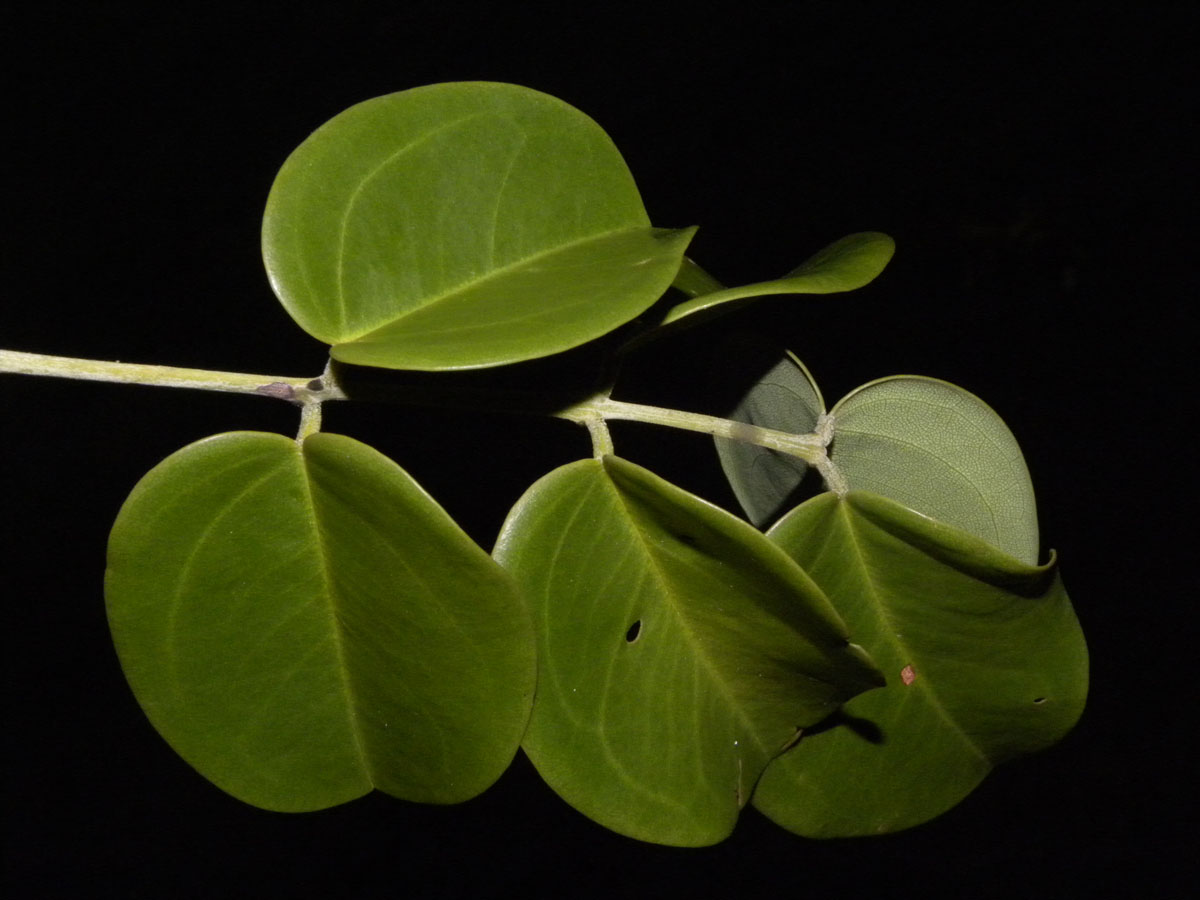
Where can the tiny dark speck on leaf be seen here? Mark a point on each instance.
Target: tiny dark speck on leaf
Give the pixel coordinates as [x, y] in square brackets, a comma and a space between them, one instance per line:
[316, 385]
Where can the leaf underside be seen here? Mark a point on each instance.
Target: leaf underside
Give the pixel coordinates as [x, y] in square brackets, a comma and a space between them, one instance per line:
[782, 396]
[930, 445]
[942, 451]
[304, 624]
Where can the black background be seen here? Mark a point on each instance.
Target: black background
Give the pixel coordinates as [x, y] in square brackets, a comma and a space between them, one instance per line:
[1034, 170]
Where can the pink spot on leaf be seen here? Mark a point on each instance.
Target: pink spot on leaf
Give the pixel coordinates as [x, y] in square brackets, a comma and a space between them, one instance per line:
[908, 675]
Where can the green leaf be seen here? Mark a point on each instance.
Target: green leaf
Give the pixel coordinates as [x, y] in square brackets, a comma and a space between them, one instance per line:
[462, 225]
[784, 397]
[304, 624]
[844, 265]
[543, 305]
[984, 658]
[679, 650]
[942, 451]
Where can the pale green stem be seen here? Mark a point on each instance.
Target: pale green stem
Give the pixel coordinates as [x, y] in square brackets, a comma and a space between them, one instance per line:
[602, 443]
[310, 420]
[594, 413]
[809, 447]
[297, 390]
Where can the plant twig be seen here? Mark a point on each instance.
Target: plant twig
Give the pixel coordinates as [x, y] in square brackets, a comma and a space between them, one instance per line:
[296, 390]
[809, 447]
[310, 392]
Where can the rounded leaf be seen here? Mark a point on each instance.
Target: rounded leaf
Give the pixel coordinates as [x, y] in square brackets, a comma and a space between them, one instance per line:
[461, 225]
[304, 623]
[984, 657]
[679, 650]
[941, 451]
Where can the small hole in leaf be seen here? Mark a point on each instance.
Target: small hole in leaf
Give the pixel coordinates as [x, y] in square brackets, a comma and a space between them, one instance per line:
[1039, 699]
[634, 630]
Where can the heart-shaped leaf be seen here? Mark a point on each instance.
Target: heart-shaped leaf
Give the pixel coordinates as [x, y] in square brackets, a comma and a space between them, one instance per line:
[984, 658]
[679, 650]
[461, 225]
[845, 265]
[784, 395]
[304, 624]
[942, 451]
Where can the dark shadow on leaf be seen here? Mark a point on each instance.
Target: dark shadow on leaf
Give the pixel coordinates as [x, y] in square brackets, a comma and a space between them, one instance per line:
[866, 729]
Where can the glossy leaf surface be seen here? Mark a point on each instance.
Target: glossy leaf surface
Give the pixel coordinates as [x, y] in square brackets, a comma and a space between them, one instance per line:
[846, 264]
[461, 225]
[785, 396]
[679, 650]
[305, 624]
[942, 451]
[984, 658]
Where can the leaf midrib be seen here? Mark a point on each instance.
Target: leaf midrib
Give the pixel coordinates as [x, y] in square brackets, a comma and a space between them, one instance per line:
[326, 566]
[491, 275]
[579, 503]
[875, 599]
[370, 176]
[660, 576]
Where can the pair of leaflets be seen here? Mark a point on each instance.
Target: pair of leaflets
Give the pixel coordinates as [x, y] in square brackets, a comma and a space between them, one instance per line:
[925, 443]
[474, 224]
[931, 558]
